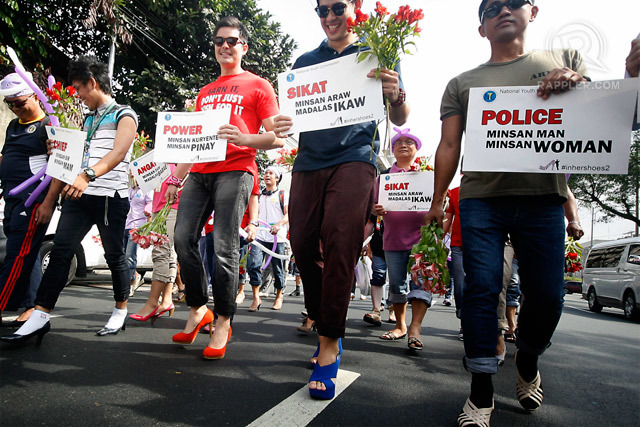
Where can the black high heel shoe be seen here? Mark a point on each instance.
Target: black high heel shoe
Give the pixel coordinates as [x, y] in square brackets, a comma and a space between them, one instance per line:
[21, 339]
[112, 331]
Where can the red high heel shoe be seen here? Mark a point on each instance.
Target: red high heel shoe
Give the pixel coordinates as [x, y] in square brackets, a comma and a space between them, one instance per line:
[182, 338]
[216, 353]
[140, 318]
[170, 309]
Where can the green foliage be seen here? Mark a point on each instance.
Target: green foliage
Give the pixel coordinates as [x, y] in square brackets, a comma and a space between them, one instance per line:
[171, 52]
[616, 196]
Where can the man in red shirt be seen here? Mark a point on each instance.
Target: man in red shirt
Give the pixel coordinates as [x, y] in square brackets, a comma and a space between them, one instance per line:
[222, 186]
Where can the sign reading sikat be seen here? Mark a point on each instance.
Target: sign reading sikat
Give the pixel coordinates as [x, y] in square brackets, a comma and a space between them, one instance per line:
[410, 191]
[183, 137]
[330, 94]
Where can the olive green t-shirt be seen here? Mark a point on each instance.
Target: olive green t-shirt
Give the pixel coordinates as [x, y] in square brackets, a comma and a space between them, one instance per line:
[527, 70]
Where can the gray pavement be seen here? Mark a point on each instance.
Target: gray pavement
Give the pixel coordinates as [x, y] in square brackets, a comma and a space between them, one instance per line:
[139, 377]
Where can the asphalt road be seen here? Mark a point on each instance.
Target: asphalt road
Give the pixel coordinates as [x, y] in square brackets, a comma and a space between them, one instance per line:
[139, 377]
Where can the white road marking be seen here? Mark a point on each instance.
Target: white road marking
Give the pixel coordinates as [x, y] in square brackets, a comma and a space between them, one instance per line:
[299, 408]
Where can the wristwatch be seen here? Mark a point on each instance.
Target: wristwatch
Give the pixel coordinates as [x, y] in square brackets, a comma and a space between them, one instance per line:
[91, 174]
[256, 223]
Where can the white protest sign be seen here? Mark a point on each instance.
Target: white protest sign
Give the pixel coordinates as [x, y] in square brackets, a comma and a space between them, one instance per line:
[65, 162]
[407, 191]
[148, 173]
[585, 130]
[191, 137]
[331, 94]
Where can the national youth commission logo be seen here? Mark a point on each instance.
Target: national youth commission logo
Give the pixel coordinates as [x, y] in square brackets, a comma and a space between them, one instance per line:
[167, 117]
[32, 129]
[290, 77]
[489, 96]
[387, 178]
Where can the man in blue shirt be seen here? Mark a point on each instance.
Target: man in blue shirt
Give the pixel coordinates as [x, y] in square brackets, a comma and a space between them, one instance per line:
[332, 195]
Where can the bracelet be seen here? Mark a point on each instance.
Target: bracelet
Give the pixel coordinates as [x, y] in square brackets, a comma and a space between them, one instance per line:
[402, 95]
[174, 180]
[575, 222]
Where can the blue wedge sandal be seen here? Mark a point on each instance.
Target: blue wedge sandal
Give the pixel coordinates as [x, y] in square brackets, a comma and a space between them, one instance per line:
[324, 374]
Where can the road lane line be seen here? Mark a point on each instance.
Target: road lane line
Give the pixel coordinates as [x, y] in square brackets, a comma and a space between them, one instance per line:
[300, 409]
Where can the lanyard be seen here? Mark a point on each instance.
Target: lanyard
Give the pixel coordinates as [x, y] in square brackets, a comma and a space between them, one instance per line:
[92, 130]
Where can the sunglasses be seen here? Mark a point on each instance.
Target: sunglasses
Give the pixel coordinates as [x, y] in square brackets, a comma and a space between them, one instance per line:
[231, 41]
[18, 104]
[337, 8]
[495, 9]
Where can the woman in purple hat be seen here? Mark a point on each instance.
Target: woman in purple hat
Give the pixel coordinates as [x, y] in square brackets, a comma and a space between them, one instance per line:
[402, 231]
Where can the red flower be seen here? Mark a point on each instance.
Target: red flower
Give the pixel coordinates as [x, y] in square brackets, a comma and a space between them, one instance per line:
[381, 10]
[350, 23]
[294, 152]
[417, 29]
[49, 93]
[572, 255]
[361, 17]
[55, 96]
[415, 15]
[58, 86]
[71, 90]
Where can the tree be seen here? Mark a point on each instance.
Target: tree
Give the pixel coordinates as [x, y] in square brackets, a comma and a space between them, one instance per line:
[614, 195]
[171, 52]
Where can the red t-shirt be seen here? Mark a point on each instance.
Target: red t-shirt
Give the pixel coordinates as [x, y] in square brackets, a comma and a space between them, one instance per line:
[251, 99]
[454, 208]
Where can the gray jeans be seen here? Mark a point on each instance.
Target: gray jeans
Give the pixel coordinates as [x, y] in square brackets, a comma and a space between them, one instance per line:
[227, 194]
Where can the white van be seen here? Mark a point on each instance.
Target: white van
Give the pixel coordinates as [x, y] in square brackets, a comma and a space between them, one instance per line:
[611, 276]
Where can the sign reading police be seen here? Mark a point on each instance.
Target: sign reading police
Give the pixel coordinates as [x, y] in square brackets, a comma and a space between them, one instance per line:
[585, 130]
[191, 137]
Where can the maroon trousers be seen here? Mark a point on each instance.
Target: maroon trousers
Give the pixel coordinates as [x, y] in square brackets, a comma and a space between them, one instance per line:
[328, 212]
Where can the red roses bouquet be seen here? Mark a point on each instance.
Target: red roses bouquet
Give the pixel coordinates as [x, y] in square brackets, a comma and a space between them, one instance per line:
[140, 144]
[422, 164]
[66, 106]
[153, 232]
[385, 35]
[287, 157]
[572, 256]
[428, 260]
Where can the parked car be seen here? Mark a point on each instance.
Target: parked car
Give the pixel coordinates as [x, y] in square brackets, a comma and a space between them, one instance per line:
[572, 287]
[88, 257]
[90, 254]
[611, 277]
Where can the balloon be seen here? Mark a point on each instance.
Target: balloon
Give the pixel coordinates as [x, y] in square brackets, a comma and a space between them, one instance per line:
[37, 191]
[273, 249]
[21, 72]
[255, 243]
[18, 189]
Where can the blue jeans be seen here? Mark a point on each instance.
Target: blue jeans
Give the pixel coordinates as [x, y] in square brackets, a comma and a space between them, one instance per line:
[130, 253]
[536, 228]
[228, 194]
[109, 214]
[254, 263]
[379, 269]
[401, 287]
[457, 277]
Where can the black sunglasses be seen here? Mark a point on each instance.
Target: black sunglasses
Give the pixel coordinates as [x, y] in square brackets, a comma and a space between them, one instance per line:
[231, 41]
[495, 9]
[18, 104]
[337, 8]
